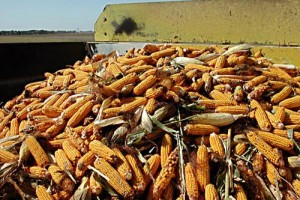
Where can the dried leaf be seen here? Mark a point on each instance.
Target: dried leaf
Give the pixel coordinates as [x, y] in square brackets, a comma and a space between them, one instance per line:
[294, 161]
[120, 132]
[110, 121]
[83, 192]
[162, 126]
[105, 104]
[135, 138]
[184, 61]
[146, 122]
[237, 48]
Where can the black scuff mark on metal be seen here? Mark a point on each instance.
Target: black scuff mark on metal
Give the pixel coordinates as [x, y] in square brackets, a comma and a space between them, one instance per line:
[127, 26]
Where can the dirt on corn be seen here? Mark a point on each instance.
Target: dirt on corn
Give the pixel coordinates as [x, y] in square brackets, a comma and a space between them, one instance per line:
[160, 122]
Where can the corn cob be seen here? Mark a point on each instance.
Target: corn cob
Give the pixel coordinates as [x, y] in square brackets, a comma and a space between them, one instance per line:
[151, 106]
[276, 85]
[71, 152]
[114, 179]
[119, 84]
[202, 168]
[296, 185]
[200, 129]
[80, 114]
[39, 172]
[42, 194]
[272, 173]
[284, 133]
[201, 68]
[292, 119]
[292, 102]
[6, 156]
[53, 99]
[264, 148]
[62, 98]
[138, 179]
[154, 92]
[62, 160]
[51, 111]
[5, 120]
[144, 85]
[196, 85]
[54, 130]
[240, 194]
[166, 52]
[280, 114]
[151, 167]
[103, 151]
[206, 77]
[191, 182]
[284, 93]
[122, 165]
[211, 193]
[274, 122]
[217, 95]
[287, 111]
[82, 164]
[14, 127]
[166, 82]
[168, 192]
[37, 151]
[165, 149]
[221, 61]
[216, 103]
[254, 82]
[61, 179]
[71, 110]
[216, 144]
[276, 140]
[94, 185]
[133, 105]
[240, 149]
[166, 174]
[261, 116]
[240, 109]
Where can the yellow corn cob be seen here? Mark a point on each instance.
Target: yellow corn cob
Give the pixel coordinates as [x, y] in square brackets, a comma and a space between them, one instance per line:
[217, 95]
[94, 185]
[287, 111]
[82, 164]
[296, 185]
[70, 150]
[122, 165]
[240, 109]
[14, 127]
[71, 110]
[284, 133]
[276, 85]
[274, 122]
[284, 93]
[62, 160]
[53, 99]
[191, 182]
[292, 119]
[216, 144]
[39, 172]
[37, 151]
[194, 73]
[166, 82]
[200, 129]
[138, 179]
[196, 85]
[224, 71]
[144, 85]
[133, 105]
[67, 81]
[272, 173]
[114, 69]
[240, 148]
[5, 120]
[6, 156]
[202, 167]
[221, 61]
[261, 116]
[194, 95]
[151, 168]
[36, 112]
[54, 130]
[139, 69]
[292, 102]
[60, 178]
[23, 113]
[240, 194]
[211, 192]
[201, 68]
[55, 144]
[254, 82]
[163, 53]
[80, 114]
[215, 103]
[51, 111]
[280, 114]
[42, 194]
[166, 174]
[103, 151]
[154, 92]
[151, 106]
[258, 162]
[78, 84]
[150, 195]
[264, 148]
[165, 149]
[148, 73]
[63, 97]
[171, 95]
[119, 84]
[114, 178]
[276, 140]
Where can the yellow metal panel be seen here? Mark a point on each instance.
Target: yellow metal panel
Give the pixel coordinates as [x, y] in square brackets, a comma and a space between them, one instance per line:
[271, 22]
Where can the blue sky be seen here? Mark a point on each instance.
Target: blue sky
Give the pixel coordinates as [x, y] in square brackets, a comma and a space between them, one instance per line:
[54, 14]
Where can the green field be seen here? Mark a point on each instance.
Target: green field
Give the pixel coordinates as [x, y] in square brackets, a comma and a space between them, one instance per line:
[56, 37]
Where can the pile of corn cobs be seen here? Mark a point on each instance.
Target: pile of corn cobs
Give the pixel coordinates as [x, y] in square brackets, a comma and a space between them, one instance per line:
[161, 122]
